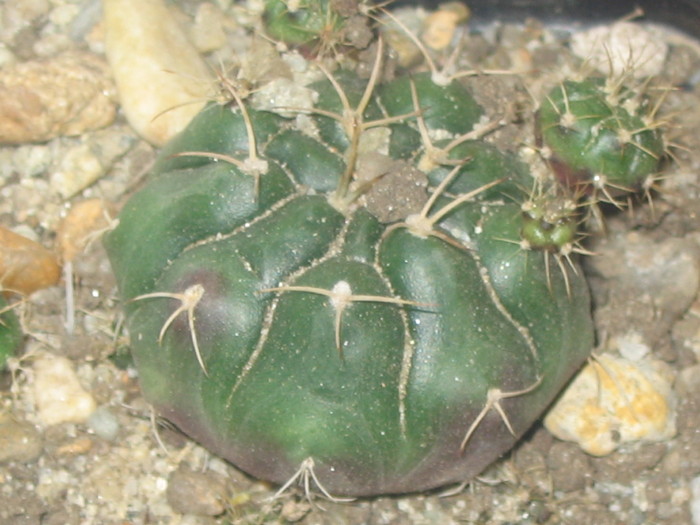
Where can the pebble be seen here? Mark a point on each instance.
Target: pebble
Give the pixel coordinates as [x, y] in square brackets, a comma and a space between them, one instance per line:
[78, 168]
[80, 165]
[569, 467]
[614, 401]
[656, 280]
[207, 32]
[621, 48]
[104, 423]
[19, 441]
[25, 265]
[440, 26]
[82, 225]
[63, 95]
[282, 93]
[695, 500]
[162, 81]
[197, 493]
[58, 394]
[407, 53]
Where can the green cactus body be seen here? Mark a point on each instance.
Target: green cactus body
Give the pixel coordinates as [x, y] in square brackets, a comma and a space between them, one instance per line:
[285, 332]
[308, 22]
[10, 332]
[600, 137]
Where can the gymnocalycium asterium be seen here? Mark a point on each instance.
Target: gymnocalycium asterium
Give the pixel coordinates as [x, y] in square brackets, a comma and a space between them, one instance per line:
[294, 323]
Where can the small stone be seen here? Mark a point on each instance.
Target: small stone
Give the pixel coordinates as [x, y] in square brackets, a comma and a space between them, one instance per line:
[104, 423]
[59, 396]
[25, 265]
[632, 347]
[161, 79]
[621, 48]
[440, 26]
[695, 500]
[79, 168]
[569, 467]
[614, 401]
[407, 53]
[207, 32]
[197, 493]
[46, 98]
[19, 441]
[281, 94]
[75, 447]
[82, 224]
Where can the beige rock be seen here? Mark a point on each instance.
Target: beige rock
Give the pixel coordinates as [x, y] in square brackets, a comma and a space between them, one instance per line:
[161, 79]
[622, 48]
[207, 32]
[440, 26]
[82, 224]
[64, 95]
[614, 401]
[58, 394]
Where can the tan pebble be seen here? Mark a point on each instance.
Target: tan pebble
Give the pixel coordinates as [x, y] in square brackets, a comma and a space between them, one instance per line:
[19, 441]
[78, 169]
[84, 221]
[58, 394]
[197, 493]
[64, 95]
[439, 27]
[161, 79]
[403, 46]
[614, 401]
[75, 447]
[207, 32]
[25, 265]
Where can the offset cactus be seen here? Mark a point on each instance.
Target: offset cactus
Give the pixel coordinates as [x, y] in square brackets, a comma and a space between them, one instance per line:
[603, 136]
[282, 319]
[317, 26]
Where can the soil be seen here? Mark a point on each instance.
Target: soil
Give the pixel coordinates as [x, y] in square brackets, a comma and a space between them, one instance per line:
[124, 465]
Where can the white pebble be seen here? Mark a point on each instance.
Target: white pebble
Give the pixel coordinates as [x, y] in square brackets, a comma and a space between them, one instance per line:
[621, 48]
[632, 347]
[695, 500]
[104, 423]
[58, 394]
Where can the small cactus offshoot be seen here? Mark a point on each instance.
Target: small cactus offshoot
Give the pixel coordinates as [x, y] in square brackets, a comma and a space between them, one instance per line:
[603, 137]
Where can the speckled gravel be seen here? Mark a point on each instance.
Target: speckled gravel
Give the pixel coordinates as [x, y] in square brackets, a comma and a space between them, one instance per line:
[121, 465]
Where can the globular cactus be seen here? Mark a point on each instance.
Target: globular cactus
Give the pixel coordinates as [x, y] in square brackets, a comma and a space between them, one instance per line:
[604, 137]
[282, 315]
[317, 25]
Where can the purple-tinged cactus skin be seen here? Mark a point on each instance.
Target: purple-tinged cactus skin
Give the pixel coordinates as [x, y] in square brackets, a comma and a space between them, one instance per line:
[286, 327]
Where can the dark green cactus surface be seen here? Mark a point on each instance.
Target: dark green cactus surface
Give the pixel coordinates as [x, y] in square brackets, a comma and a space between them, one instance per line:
[10, 332]
[282, 321]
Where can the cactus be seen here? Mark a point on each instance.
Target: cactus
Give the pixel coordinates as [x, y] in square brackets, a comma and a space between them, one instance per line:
[280, 317]
[10, 332]
[317, 26]
[603, 137]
